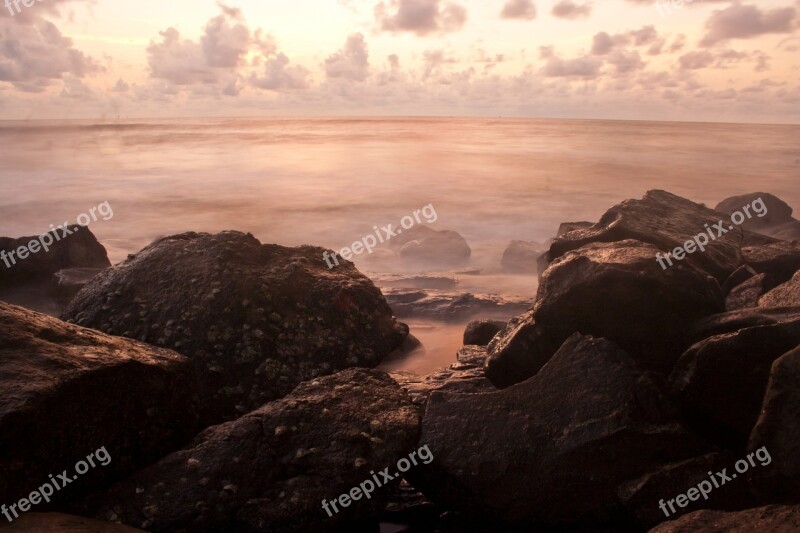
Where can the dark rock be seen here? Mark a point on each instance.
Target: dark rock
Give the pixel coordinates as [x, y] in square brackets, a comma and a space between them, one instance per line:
[254, 319]
[786, 295]
[773, 518]
[567, 438]
[414, 282]
[733, 321]
[68, 391]
[666, 221]
[77, 250]
[519, 351]
[521, 256]
[776, 222]
[69, 282]
[746, 294]
[480, 332]
[779, 261]
[428, 248]
[739, 276]
[451, 306]
[566, 227]
[777, 430]
[617, 291]
[271, 469]
[63, 523]
[542, 262]
[720, 381]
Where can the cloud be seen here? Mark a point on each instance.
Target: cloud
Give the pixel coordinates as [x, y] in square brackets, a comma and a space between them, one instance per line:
[278, 75]
[519, 9]
[225, 44]
[351, 62]
[566, 9]
[745, 21]
[585, 67]
[422, 17]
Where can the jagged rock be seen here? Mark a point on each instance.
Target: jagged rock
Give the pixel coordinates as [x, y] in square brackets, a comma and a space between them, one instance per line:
[786, 295]
[773, 518]
[666, 221]
[777, 430]
[566, 227]
[540, 461]
[521, 256]
[600, 290]
[254, 319]
[519, 351]
[776, 222]
[78, 249]
[481, 332]
[720, 381]
[451, 306]
[63, 523]
[272, 468]
[746, 294]
[67, 391]
[427, 247]
[779, 261]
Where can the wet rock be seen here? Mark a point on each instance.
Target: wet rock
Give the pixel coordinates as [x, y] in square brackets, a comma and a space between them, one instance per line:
[665, 221]
[779, 261]
[777, 430]
[271, 469]
[63, 523]
[786, 295]
[746, 294]
[600, 290]
[79, 249]
[68, 391]
[538, 462]
[776, 222]
[720, 381]
[519, 351]
[775, 518]
[429, 248]
[451, 306]
[481, 332]
[521, 256]
[254, 319]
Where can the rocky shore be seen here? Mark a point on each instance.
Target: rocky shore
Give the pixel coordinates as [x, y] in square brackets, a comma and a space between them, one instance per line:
[233, 385]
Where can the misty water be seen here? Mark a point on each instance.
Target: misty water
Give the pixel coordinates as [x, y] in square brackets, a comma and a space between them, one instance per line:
[328, 182]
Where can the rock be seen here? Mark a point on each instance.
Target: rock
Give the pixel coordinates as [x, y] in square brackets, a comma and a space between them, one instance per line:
[79, 249]
[720, 382]
[254, 319]
[521, 256]
[68, 391]
[63, 523]
[786, 295]
[519, 351]
[774, 518]
[777, 430]
[69, 282]
[414, 282]
[666, 221]
[451, 306]
[776, 220]
[566, 227]
[271, 469]
[746, 294]
[480, 332]
[599, 290]
[427, 248]
[779, 261]
[733, 321]
[739, 276]
[538, 461]
[542, 262]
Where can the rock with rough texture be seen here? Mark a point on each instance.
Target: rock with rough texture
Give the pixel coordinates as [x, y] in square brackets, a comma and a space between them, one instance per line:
[776, 218]
[746, 294]
[429, 248]
[777, 430]
[271, 469]
[720, 381]
[450, 305]
[617, 291]
[254, 319]
[739, 276]
[519, 351]
[786, 295]
[78, 249]
[772, 518]
[481, 332]
[732, 321]
[521, 256]
[67, 391]
[63, 523]
[566, 227]
[567, 438]
[779, 261]
[666, 221]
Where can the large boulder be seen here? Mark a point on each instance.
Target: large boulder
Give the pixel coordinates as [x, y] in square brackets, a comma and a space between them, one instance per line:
[619, 292]
[720, 382]
[481, 332]
[773, 518]
[67, 391]
[72, 247]
[553, 449]
[777, 429]
[733, 321]
[254, 319]
[778, 261]
[746, 294]
[521, 257]
[786, 295]
[667, 222]
[776, 220]
[271, 469]
[428, 248]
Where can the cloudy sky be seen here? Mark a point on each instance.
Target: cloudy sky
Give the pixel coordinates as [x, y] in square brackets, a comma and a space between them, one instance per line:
[715, 60]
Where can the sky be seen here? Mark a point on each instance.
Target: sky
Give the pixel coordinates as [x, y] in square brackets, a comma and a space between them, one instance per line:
[701, 60]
